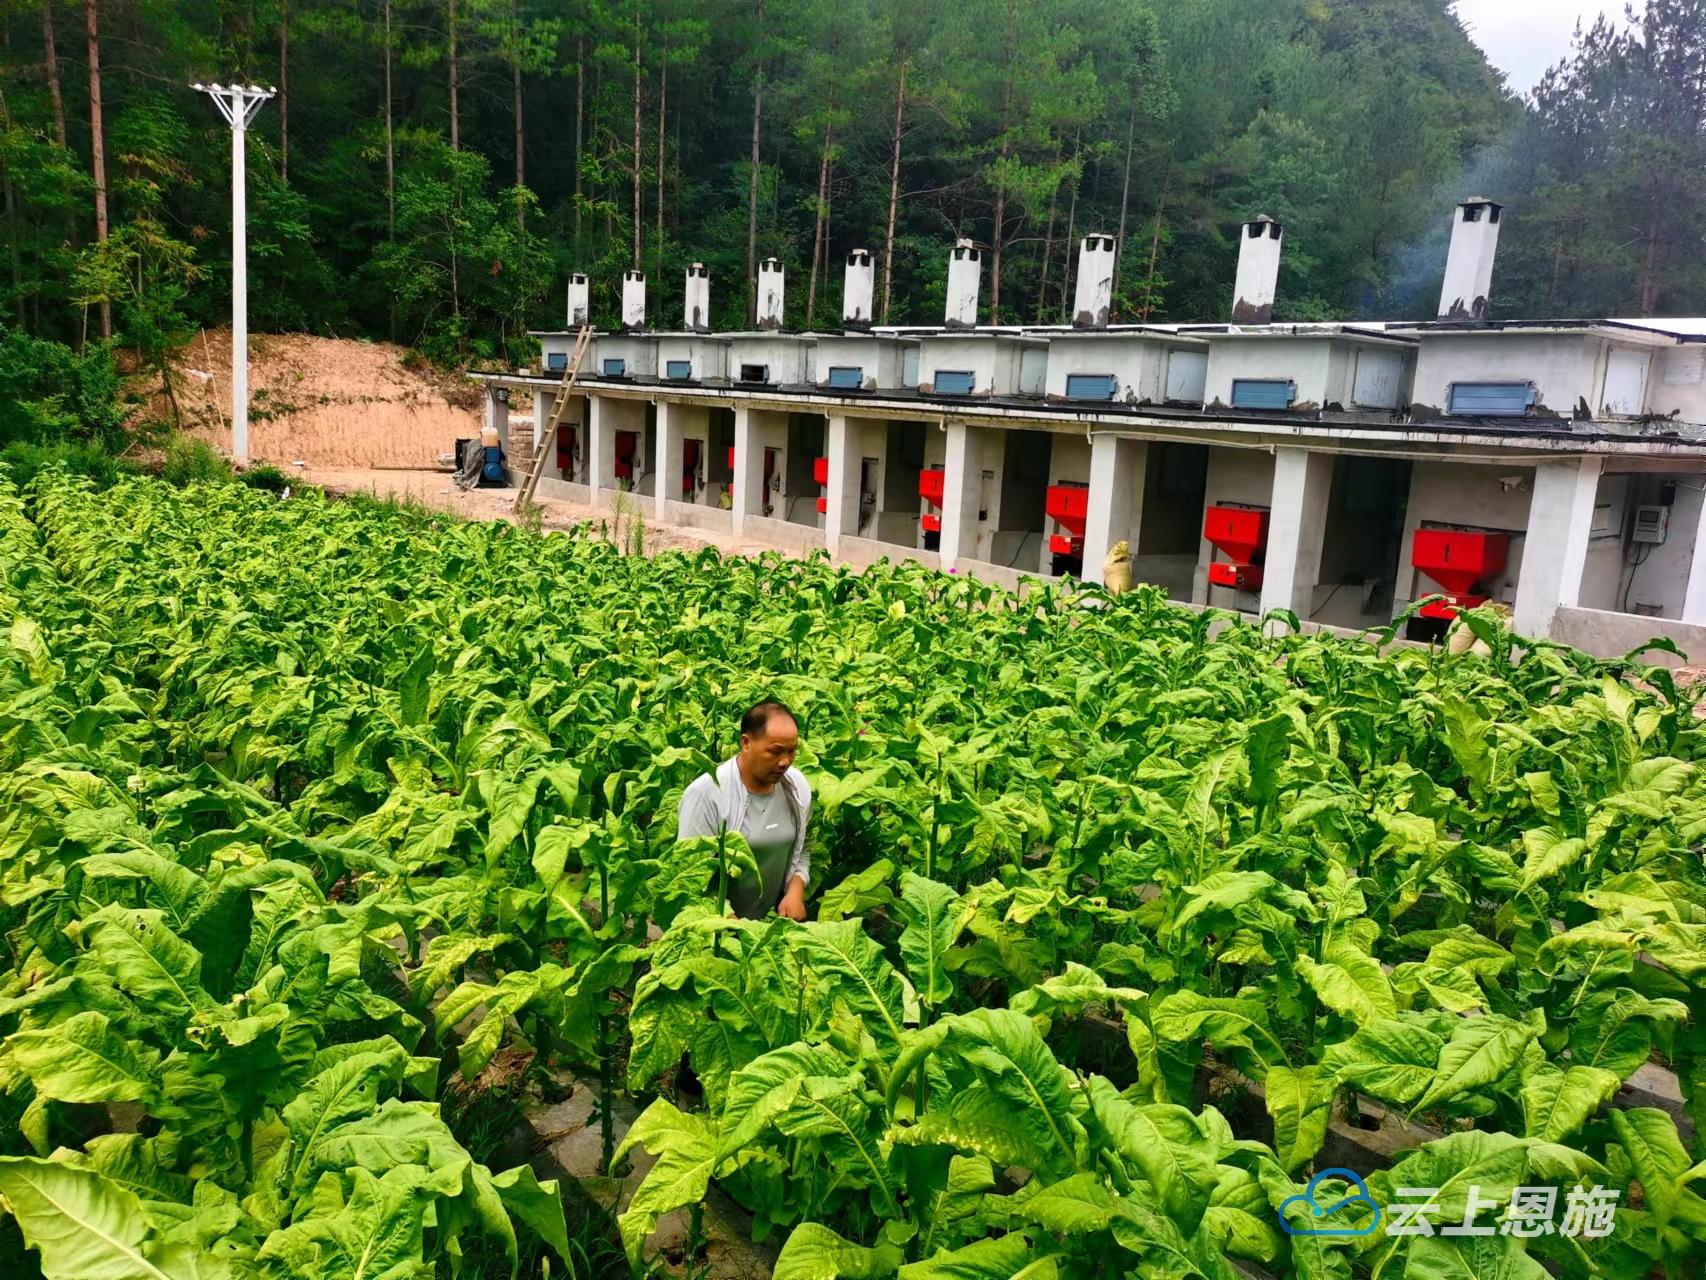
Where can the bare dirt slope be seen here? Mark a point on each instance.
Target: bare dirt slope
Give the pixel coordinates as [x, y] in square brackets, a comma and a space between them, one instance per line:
[330, 402]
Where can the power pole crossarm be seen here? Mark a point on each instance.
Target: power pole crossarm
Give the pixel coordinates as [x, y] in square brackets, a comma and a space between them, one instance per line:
[238, 104]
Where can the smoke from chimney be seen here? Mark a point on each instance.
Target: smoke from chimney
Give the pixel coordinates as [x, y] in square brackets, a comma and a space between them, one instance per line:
[1260, 243]
[1469, 261]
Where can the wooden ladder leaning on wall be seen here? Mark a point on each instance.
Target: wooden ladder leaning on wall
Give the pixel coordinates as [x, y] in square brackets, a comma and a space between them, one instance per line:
[547, 442]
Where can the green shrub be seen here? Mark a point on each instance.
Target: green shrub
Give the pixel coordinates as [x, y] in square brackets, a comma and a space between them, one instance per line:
[264, 476]
[193, 461]
[23, 460]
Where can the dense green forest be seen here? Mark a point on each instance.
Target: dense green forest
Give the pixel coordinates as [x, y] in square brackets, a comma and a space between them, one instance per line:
[430, 170]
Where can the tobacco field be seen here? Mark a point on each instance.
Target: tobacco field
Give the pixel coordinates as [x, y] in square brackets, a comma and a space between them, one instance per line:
[307, 807]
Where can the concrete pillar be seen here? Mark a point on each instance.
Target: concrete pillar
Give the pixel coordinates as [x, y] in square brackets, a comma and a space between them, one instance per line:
[1297, 527]
[749, 469]
[1560, 520]
[497, 417]
[841, 515]
[667, 465]
[1694, 598]
[1117, 470]
[600, 443]
[962, 490]
[542, 402]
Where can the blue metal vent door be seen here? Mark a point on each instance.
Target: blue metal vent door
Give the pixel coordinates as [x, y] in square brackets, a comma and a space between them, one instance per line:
[1491, 399]
[846, 377]
[615, 368]
[955, 382]
[1090, 386]
[678, 368]
[1273, 394]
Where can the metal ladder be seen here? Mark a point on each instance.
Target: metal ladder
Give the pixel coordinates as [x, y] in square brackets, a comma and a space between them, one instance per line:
[547, 442]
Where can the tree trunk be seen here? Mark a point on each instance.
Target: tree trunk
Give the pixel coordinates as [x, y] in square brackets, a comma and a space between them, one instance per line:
[97, 144]
[639, 217]
[1649, 272]
[520, 128]
[752, 196]
[51, 59]
[663, 102]
[894, 188]
[284, 92]
[11, 210]
[998, 231]
[1154, 258]
[580, 127]
[1125, 196]
[820, 224]
[1048, 245]
[455, 120]
[1071, 237]
[390, 152]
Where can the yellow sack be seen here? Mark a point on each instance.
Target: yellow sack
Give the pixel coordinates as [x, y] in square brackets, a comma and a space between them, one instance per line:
[1116, 568]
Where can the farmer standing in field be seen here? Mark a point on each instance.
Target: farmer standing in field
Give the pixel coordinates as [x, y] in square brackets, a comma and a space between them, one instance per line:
[760, 795]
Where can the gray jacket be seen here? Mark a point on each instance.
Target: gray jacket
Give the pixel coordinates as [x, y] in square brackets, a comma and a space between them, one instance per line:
[717, 803]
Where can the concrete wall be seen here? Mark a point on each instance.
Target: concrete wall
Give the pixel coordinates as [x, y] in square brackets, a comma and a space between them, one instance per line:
[864, 552]
[994, 359]
[1138, 363]
[1450, 494]
[1648, 579]
[1241, 477]
[789, 356]
[1069, 460]
[1611, 635]
[1560, 365]
[881, 357]
[1019, 521]
[639, 350]
[1303, 360]
[697, 516]
[1677, 382]
[709, 356]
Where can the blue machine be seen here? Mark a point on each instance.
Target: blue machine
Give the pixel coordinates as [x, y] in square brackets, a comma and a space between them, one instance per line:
[493, 472]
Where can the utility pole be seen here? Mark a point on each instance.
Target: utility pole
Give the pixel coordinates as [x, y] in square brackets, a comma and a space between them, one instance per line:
[238, 104]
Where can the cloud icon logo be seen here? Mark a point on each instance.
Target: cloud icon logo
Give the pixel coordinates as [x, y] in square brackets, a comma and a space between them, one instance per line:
[1317, 1211]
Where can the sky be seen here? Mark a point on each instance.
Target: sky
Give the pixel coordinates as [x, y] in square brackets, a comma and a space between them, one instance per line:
[1524, 37]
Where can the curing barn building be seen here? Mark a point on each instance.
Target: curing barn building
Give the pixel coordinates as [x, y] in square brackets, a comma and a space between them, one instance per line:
[1339, 471]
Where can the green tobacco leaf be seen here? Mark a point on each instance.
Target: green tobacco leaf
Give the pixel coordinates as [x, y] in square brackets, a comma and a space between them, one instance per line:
[1660, 1160]
[155, 967]
[1177, 1158]
[1350, 984]
[1009, 1257]
[83, 1060]
[858, 893]
[349, 1090]
[1470, 1258]
[1549, 852]
[86, 1226]
[378, 1233]
[853, 966]
[686, 1150]
[814, 1252]
[766, 1088]
[414, 689]
[1077, 1206]
[1479, 1052]
[1071, 993]
[1300, 1102]
[935, 915]
[1557, 1103]
[538, 1204]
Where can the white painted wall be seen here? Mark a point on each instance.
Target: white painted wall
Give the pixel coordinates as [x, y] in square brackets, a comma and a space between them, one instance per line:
[789, 355]
[639, 350]
[1677, 383]
[709, 356]
[1322, 365]
[1560, 365]
[880, 356]
[1658, 584]
[1138, 362]
[994, 359]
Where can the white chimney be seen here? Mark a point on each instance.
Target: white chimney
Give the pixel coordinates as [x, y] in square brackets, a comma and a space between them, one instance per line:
[965, 269]
[770, 283]
[633, 300]
[578, 300]
[1469, 263]
[856, 296]
[1259, 245]
[1095, 290]
[696, 312]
